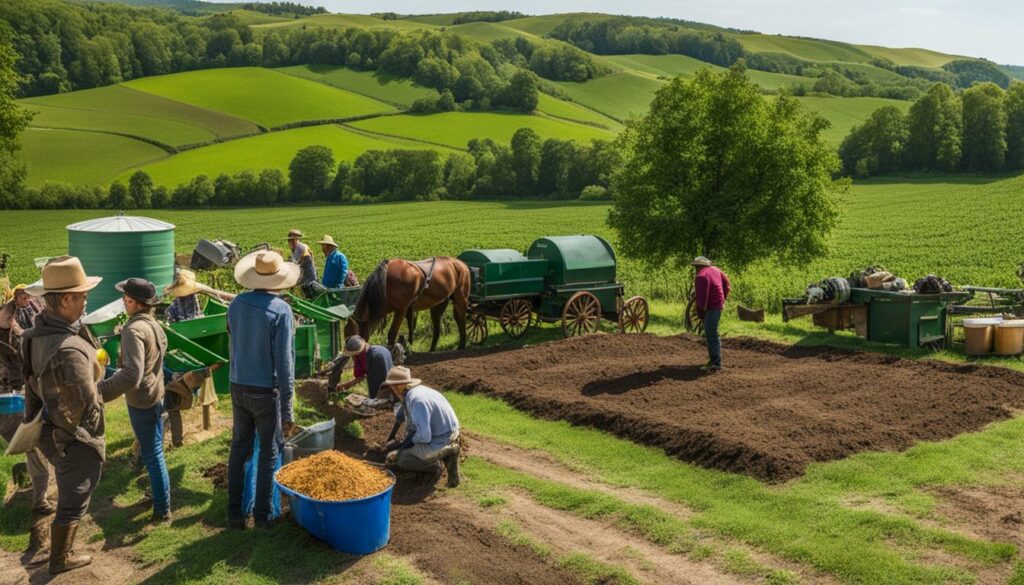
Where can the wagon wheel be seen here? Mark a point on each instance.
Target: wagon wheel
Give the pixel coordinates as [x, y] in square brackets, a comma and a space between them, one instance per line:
[691, 321]
[515, 317]
[633, 316]
[476, 327]
[581, 315]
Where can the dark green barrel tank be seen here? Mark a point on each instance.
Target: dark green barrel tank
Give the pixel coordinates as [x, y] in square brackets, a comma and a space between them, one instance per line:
[122, 247]
[575, 260]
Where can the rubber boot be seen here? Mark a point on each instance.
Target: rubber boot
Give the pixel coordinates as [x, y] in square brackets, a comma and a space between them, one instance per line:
[38, 540]
[63, 557]
[451, 465]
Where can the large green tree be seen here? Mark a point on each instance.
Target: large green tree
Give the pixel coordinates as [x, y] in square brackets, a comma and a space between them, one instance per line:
[984, 145]
[716, 169]
[876, 146]
[935, 123]
[311, 173]
[1015, 126]
[13, 119]
[526, 146]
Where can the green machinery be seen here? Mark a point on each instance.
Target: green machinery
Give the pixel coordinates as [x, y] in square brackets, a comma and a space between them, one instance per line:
[566, 279]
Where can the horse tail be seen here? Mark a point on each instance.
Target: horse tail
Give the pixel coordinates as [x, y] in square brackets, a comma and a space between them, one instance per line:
[371, 306]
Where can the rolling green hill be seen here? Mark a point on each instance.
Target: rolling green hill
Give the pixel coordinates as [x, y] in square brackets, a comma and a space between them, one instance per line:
[345, 21]
[569, 111]
[74, 157]
[845, 113]
[374, 84]
[262, 96]
[673, 65]
[910, 56]
[273, 150]
[620, 96]
[120, 109]
[456, 129]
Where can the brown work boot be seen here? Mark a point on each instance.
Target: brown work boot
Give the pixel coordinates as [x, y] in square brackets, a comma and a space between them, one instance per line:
[450, 457]
[63, 557]
[38, 541]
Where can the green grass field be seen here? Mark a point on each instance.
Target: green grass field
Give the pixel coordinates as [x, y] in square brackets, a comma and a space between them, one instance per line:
[56, 156]
[673, 65]
[909, 56]
[808, 49]
[456, 129]
[553, 106]
[845, 113]
[271, 150]
[262, 96]
[119, 108]
[620, 95]
[379, 86]
[345, 21]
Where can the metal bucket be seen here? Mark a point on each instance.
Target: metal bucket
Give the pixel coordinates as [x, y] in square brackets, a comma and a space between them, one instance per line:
[309, 441]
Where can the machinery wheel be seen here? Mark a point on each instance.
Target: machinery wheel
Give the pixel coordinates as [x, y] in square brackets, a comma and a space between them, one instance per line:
[515, 317]
[633, 315]
[581, 315]
[476, 327]
[691, 321]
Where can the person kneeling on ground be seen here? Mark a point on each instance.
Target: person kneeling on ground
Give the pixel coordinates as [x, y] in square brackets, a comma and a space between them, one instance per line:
[141, 380]
[711, 287]
[432, 429]
[370, 362]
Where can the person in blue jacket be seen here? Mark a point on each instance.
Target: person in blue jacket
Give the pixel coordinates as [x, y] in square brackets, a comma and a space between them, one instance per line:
[336, 265]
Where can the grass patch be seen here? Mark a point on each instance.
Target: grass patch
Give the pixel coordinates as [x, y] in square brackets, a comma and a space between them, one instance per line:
[804, 521]
[354, 429]
[594, 572]
[514, 534]
[76, 157]
[492, 500]
[395, 571]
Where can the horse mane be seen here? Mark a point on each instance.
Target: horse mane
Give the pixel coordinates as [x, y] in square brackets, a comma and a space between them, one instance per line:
[371, 306]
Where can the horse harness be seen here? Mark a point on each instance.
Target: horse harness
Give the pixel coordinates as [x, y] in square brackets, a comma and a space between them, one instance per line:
[427, 268]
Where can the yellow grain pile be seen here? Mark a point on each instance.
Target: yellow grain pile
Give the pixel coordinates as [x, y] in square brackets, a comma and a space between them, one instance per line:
[333, 477]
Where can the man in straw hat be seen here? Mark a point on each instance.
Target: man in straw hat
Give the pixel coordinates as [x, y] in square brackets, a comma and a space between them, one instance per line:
[335, 265]
[303, 257]
[62, 372]
[369, 362]
[140, 378]
[262, 373]
[185, 291]
[711, 287]
[431, 427]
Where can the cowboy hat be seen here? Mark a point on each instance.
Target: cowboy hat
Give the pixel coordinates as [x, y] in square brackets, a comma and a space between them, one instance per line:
[184, 284]
[354, 345]
[294, 234]
[329, 241]
[266, 271]
[700, 261]
[397, 375]
[63, 274]
[139, 289]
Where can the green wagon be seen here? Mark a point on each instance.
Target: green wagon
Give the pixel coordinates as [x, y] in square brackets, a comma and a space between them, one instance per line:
[562, 279]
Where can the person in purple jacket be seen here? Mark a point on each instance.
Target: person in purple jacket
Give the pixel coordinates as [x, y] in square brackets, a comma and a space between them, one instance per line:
[711, 287]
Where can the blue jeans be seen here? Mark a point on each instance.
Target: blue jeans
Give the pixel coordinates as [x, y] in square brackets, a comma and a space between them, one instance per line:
[148, 426]
[711, 319]
[253, 410]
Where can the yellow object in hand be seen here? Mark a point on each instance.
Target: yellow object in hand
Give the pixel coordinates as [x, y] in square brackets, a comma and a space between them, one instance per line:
[103, 357]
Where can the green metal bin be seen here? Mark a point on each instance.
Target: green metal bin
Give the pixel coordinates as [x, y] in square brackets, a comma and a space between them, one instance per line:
[503, 273]
[907, 319]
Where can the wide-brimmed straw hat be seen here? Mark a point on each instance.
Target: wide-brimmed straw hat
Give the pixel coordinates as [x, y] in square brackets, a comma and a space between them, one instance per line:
[354, 345]
[700, 261]
[184, 284]
[139, 289]
[329, 241]
[63, 274]
[294, 234]
[396, 376]
[266, 271]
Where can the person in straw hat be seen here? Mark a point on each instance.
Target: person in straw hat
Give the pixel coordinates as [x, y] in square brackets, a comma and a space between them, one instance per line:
[262, 374]
[140, 377]
[185, 291]
[335, 265]
[303, 257]
[711, 287]
[63, 372]
[431, 427]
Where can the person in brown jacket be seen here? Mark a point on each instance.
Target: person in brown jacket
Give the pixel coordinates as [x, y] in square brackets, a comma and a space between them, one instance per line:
[61, 371]
[141, 380]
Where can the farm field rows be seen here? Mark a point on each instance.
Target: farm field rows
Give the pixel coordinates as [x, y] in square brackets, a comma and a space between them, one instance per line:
[379, 86]
[273, 150]
[262, 96]
[56, 156]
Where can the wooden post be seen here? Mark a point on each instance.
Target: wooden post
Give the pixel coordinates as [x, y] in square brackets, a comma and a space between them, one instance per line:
[207, 422]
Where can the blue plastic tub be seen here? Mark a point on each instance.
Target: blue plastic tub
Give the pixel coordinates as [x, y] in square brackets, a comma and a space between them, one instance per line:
[12, 404]
[356, 527]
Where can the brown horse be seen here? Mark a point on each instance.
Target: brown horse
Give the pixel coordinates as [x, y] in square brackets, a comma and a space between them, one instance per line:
[402, 288]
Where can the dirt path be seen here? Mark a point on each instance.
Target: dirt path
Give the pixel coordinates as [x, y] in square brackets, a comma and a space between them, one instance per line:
[772, 410]
[109, 567]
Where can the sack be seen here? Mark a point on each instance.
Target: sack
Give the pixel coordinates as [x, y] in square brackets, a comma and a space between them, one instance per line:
[27, 436]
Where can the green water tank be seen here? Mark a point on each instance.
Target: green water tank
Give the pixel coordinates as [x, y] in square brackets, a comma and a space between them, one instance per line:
[122, 247]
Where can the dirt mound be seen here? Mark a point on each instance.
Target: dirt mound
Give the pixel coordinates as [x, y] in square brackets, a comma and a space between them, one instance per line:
[772, 410]
[218, 475]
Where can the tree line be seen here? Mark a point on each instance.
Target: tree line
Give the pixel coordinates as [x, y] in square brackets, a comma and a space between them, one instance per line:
[980, 129]
[284, 8]
[66, 46]
[528, 167]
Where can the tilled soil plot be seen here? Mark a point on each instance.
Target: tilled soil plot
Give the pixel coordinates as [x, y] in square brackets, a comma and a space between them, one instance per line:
[772, 410]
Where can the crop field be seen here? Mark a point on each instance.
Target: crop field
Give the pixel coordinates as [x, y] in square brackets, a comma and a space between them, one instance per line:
[553, 106]
[456, 129]
[143, 114]
[282, 98]
[377, 85]
[845, 113]
[272, 150]
[620, 95]
[673, 65]
[56, 156]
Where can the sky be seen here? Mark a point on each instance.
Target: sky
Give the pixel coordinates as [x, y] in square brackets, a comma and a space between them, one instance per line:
[974, 28]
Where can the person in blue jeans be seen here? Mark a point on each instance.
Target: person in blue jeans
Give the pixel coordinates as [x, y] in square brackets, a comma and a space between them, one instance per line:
[140, 377]
[711, 287]
[262, 364]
